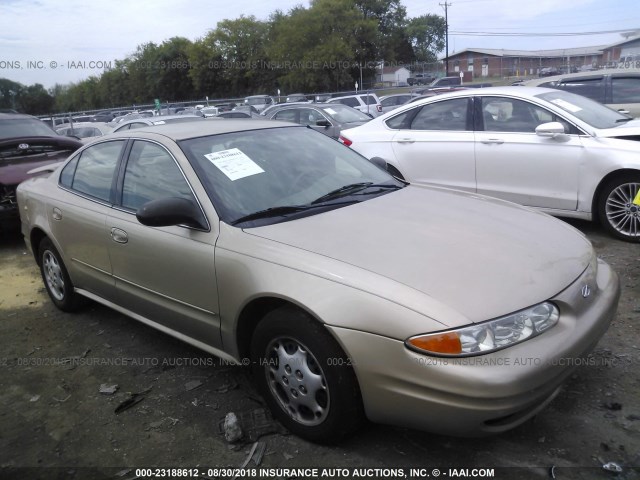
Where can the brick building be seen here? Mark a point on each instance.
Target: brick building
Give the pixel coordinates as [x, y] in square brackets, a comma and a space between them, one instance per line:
[486, 62]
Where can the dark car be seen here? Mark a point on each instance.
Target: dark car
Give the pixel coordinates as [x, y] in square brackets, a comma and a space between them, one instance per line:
[237, 114]
[26, 143]
[225, 107]
[105, 116]
[329, 118]
[297, 97]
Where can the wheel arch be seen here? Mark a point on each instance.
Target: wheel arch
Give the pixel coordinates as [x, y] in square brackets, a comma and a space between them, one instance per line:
[604, 181]
[253, 313]
[35, 237]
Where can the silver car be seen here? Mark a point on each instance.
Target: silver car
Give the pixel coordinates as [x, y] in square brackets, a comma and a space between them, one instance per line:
[350, 294]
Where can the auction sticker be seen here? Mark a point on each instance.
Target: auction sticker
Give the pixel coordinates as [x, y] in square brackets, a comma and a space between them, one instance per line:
[234, 163]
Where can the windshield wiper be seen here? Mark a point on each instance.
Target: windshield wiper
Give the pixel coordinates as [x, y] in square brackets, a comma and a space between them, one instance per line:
[283, 211]
[352, 189]
[621, 120]
[271, 212]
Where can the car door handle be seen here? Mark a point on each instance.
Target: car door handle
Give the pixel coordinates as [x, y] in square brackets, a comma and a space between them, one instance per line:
[119, 236]
[56, 214]
[488, 141]
[405, 140]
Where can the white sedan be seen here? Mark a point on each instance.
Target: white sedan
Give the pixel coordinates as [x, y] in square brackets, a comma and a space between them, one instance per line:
[559, 152]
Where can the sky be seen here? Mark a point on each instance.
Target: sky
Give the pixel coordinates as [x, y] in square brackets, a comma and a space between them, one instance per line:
[58, 42]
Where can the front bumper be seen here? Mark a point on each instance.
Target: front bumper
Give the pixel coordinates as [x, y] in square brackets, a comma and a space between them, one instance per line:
[484, 394]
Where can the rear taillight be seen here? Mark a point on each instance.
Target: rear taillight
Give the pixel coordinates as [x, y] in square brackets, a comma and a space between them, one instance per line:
[345, 141]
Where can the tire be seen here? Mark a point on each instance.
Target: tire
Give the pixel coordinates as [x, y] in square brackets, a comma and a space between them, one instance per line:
[305, 377]
[56, 279]
[616, 210]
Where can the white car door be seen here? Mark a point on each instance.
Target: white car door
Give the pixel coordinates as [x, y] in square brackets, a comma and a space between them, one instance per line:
[434, 144]
[516, 164]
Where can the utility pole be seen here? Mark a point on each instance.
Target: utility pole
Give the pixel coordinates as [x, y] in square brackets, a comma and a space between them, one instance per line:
[446, 38]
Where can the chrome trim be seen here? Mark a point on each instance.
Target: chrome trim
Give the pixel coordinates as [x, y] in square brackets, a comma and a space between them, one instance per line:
[91, 267]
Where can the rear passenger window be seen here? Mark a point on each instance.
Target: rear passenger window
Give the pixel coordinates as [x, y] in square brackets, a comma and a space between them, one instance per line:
[66, 176]
[96, 167]
[445, 115]
[351, 102]
[625, 89]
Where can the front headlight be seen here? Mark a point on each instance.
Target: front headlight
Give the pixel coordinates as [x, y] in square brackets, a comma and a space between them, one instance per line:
[489, 336]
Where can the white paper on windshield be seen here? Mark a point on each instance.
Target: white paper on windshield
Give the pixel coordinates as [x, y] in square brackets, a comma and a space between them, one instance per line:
[330, 111]
[566, 105]
[234, 163]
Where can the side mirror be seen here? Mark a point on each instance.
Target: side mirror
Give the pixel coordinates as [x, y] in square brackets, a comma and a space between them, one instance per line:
[551, 129]
[380, 163]
[323, 123]
[165, 212]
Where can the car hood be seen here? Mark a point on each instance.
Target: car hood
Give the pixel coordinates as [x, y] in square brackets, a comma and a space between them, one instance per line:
[20, 155]
[480, 256]
[630, 128]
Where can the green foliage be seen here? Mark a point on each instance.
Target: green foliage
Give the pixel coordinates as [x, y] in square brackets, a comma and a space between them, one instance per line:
[328, 46]
[426, 34]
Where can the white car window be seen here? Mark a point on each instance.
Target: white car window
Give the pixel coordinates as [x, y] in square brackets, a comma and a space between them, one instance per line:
[445, 115]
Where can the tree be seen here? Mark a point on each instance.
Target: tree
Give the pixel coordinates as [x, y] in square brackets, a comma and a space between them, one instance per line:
[426, 34]
[320, 48]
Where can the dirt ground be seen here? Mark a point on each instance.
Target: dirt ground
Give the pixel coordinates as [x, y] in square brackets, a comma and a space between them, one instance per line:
[56, 423]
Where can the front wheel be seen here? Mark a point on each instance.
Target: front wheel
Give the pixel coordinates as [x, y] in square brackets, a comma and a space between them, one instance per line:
[305, 377]
[616, 210]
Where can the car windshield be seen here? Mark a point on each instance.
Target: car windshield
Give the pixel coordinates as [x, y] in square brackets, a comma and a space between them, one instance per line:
[24, 127]
[369, 99]
[344, 114]
[284, 169]
[587, 110]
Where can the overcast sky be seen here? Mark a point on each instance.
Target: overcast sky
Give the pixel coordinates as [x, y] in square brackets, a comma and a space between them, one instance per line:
[44, 41]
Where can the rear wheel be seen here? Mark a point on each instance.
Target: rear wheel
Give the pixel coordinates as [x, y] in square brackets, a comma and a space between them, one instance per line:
[305, 377]
[616, 210]
[56, 279]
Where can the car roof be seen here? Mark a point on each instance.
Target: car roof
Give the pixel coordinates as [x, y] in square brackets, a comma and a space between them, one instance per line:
[351, 96]
[508, 90]
[4, 115]
[186, 130]
[594, 73]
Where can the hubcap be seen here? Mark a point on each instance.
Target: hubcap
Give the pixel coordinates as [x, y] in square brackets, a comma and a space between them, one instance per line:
[297, 381]
[53, 275]
[622, 214]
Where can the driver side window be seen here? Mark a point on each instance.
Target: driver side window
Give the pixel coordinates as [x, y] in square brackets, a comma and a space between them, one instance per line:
[152, 173]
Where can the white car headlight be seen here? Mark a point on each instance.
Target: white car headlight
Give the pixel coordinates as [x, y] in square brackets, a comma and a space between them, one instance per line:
[489, 336]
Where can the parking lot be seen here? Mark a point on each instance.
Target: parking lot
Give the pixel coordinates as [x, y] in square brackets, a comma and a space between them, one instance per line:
[99, 391]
